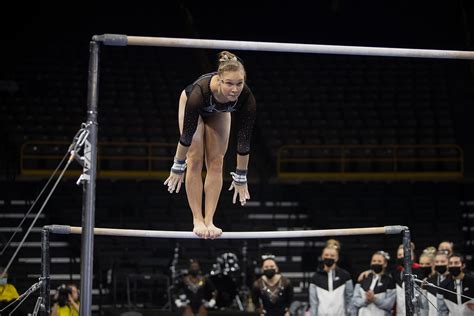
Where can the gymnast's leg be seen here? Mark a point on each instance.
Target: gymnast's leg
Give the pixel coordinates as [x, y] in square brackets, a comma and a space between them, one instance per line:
[193, 179]
[216, 132]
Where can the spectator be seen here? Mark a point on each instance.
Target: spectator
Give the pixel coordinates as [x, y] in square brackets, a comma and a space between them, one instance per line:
[426, 263]
[398, 274]
[272, 293]
[344, 261]
[440, 266]
[446, 246]
[425, 271]
[376, 294]
[195, 292]
[8, 292]
[66, 301]
[457, 284]
[331, 288]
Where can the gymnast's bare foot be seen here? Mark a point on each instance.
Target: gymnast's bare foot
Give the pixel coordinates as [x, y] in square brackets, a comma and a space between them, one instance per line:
[200, 229]
[213, 231]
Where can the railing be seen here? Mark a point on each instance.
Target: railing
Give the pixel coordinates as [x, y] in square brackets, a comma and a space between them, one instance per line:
[370, 162]
[310, 162]
[115, 159]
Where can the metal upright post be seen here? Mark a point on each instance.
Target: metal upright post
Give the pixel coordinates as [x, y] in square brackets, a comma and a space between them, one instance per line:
[407, 277]
[88, 178]
[45, 308]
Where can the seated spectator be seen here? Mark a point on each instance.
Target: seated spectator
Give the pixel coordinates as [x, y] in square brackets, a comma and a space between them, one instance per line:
[195, 292]
[66, 301]
[8, 292]
[376, 294]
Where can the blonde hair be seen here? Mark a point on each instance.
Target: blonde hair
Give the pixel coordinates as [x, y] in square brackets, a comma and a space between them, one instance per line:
[412, 246]
[382, 253]
[333, 243]
[229, 62]
[331, 247]
[441, 253]
[429, 252]
[412, 249]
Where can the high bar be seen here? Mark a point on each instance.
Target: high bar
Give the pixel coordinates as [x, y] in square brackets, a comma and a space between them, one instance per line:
[125, 40]
[396, 229]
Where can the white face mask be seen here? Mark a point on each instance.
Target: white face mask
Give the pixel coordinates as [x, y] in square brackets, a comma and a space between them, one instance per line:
[3, 281]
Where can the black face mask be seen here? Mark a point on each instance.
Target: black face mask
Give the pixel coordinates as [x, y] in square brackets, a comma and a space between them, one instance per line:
[328, 262]
[425, 272]
[193, 272]
[454, 271]
[269, 273]
[441, 269]
[377, 268]
[400, 261]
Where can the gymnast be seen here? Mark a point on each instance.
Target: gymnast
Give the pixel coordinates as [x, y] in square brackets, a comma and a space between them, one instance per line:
[204, 122]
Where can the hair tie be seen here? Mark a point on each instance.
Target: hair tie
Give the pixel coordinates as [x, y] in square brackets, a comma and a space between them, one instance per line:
[226, 58]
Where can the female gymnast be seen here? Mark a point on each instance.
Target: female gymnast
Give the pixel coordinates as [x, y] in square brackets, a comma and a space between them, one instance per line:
[204, 124]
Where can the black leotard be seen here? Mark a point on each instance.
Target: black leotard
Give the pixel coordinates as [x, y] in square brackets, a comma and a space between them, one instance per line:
[202, 102]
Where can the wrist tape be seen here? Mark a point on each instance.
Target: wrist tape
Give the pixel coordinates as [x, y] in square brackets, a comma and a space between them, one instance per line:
[179, 166]
[239, 176]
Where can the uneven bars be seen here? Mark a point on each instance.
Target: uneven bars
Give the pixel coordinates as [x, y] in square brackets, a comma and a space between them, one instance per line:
[124, 40]
[396, 229]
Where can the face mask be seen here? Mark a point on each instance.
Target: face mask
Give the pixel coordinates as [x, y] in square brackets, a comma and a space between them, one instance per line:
[425, 272]
[194, 272]
[454, 271]
[400, 261]
[441, 269]
[269, 273]
[377, 268]
[328, 262]
[3, 281]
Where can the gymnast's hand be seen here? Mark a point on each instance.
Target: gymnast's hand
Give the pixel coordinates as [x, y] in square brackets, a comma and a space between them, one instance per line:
[239, 184]
[176, 177]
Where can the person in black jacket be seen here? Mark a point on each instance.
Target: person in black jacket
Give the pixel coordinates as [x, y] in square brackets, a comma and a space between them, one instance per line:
[458, 288]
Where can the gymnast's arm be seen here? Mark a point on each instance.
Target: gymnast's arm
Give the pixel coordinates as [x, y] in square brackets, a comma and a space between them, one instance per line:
[255, 295]
[191, 116]
[245, 120]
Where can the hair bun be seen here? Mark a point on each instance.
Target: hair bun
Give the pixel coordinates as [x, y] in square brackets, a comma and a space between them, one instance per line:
[225, 58]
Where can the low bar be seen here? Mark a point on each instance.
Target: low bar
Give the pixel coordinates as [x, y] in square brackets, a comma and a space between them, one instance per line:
[124, 40]
[397, 229]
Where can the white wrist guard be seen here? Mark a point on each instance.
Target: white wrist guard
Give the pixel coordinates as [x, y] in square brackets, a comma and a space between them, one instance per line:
[211, 303]
[179, 166]
[239, 176]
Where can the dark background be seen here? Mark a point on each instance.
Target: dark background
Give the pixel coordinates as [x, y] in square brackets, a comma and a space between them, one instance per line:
[49, 34]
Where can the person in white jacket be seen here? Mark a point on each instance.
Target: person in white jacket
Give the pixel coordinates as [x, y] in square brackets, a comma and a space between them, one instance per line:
[331, 288]
[375, 295]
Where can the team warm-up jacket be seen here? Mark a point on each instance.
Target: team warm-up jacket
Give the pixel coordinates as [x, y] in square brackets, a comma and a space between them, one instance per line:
[383, 287]
[455, 304]
[330, 293]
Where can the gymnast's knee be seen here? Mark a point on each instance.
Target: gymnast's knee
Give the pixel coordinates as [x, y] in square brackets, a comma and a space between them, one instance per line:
[215, 164]
[194, 165]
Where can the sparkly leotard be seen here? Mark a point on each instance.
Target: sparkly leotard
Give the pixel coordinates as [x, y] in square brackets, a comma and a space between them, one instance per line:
[202, 103]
